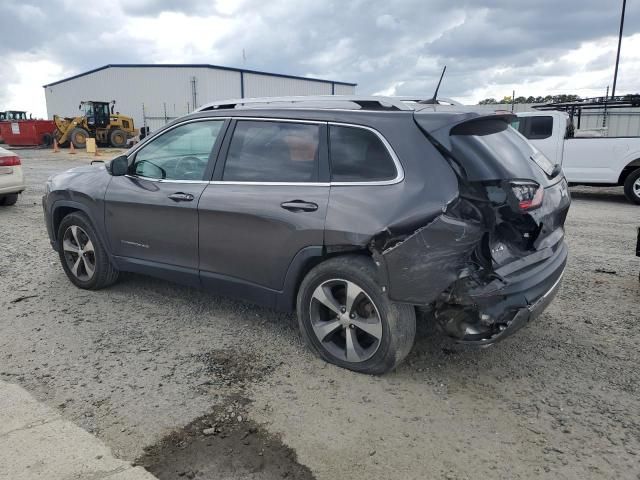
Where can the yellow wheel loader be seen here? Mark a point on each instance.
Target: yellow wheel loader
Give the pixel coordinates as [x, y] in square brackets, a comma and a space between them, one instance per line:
[96, 121]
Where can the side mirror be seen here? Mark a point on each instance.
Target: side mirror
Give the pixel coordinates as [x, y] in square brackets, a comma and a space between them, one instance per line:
[119, 166]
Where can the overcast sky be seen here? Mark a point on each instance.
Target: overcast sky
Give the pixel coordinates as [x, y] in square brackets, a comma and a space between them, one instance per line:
[536, 47]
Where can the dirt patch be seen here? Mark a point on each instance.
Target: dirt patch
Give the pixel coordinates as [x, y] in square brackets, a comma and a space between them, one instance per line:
[228, 367]
[223, 445]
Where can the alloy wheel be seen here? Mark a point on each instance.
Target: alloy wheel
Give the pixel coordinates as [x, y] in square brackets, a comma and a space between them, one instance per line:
[79, 253]
[345, 320]
[636, 187]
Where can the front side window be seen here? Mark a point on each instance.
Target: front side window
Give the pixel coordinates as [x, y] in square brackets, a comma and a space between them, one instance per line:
[266, 151]
[180, 154]
[358, 155]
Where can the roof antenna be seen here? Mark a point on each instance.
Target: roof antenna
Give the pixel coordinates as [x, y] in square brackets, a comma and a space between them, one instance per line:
[434, 100]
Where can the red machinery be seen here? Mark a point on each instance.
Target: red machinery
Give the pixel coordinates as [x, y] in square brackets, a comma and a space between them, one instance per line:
[17, 130]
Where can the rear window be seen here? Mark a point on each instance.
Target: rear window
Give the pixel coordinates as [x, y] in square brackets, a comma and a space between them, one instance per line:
[358, 155]
[490, 150]
[262, 151]
[534, 128]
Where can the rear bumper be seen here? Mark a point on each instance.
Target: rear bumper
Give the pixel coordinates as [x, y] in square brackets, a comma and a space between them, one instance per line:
[522, 316]
[505, 305]
[11, 180]
[12, 189]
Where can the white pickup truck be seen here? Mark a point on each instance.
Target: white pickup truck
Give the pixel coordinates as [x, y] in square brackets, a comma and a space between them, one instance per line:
[598, 161]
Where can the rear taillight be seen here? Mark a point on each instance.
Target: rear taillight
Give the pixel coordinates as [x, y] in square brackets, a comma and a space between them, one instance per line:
[528, 195]
[9, 161]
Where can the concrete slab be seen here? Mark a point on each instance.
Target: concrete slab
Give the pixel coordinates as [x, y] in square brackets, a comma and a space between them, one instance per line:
[18, 410]
[37, 443]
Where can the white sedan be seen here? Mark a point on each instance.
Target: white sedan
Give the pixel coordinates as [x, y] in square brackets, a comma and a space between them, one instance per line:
[11, 178]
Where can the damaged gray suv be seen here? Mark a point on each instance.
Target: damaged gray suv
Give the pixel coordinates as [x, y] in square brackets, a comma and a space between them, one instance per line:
[353, 211]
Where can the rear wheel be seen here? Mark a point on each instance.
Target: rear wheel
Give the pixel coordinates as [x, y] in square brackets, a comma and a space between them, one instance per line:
[79, 137]
[84, 259]
[632, 186]
[118, 138]
[8, 200]
[346, 319]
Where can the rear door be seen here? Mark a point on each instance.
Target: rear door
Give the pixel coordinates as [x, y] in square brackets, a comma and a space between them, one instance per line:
[151, 214]
[268, 201]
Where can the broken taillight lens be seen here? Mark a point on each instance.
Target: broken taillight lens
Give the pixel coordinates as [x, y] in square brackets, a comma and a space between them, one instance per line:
[528, 195]
[9, 161]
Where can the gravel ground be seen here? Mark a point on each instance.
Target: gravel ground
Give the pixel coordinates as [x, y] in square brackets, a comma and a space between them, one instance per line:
[149, 367]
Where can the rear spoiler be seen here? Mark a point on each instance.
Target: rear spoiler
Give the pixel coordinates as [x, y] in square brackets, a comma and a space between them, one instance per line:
[440, 124]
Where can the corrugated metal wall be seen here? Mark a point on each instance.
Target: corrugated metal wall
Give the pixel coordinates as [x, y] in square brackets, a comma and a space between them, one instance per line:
[167, 92]
[621, 122]
[268, 86]
[344, 89]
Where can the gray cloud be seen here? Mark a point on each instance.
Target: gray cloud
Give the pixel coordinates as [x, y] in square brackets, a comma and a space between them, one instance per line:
[151, 8]
[374, 43]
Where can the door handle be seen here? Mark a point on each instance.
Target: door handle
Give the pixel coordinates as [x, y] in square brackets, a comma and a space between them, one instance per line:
[299, 206]
[181, 197]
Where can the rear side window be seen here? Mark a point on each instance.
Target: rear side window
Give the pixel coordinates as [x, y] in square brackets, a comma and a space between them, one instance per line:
[534, 128]
[358, 155]
[262, 151]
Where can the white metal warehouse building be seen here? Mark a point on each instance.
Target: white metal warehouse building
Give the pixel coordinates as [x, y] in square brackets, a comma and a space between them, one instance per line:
[154, 94]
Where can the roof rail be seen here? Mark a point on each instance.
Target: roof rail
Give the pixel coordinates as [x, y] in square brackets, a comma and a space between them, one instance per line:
[323, 101]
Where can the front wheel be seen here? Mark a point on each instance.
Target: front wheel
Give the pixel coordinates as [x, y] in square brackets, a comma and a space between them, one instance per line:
[118, 138]
[632, 187]
[79, 137]
[84, 259]
[347, 319]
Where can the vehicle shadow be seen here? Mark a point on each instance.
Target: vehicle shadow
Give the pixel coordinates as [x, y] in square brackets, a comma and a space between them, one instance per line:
[208, 305]
[602, 196]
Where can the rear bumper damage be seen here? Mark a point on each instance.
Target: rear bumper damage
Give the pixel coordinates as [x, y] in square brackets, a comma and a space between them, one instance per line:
[438, 267]
[483, 315]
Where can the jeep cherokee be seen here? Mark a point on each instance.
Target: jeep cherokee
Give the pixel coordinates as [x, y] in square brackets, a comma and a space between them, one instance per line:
[353, 211]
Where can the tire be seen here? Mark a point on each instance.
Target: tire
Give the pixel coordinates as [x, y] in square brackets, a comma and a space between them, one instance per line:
[104, 273]
[46, 140]
[8, 200]
[396, 327]
[79, 137]
[632, 187]
[118, 138]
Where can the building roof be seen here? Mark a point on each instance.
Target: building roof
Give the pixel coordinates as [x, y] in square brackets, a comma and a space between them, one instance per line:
[194, 65]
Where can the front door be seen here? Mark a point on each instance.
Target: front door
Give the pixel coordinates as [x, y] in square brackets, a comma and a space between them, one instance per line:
[151, 214]
[267, 203]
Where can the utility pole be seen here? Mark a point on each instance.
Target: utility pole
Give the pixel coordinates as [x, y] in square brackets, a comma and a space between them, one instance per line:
[615, 74]
[604, 114]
